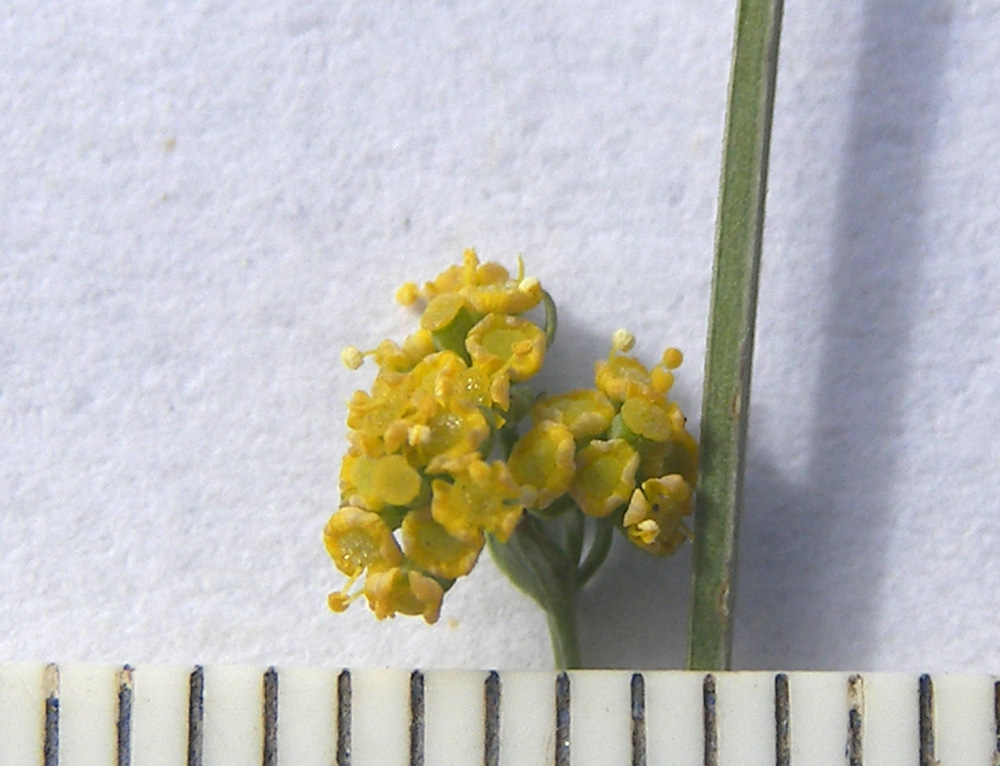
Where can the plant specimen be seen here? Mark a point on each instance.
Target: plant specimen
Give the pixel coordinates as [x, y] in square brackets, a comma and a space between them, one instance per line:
[452, 450]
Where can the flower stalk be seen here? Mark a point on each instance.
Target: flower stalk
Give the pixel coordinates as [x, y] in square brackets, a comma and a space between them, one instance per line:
[726, 398]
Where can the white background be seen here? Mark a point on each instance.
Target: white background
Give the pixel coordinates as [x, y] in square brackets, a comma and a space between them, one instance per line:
[203, 201]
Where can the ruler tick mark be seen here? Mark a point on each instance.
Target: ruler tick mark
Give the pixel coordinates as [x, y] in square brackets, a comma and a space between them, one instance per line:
[638, 699]
[50, 744]
[855, 720]
[196, 716]
[709, 721]
[124, 723]
[562, 720]
[416, 718]
[344, 718]
[491, 746]
[996, 721]
[926, 697]
[270, 755]
[782, 715]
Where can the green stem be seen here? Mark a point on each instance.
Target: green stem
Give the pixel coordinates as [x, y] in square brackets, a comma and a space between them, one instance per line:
[544, 572]
[565, 637]
[731, 330]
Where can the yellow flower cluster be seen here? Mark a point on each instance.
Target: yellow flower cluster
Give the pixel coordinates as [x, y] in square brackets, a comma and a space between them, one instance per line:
[619, 446]
[420, 487]
[418, 492]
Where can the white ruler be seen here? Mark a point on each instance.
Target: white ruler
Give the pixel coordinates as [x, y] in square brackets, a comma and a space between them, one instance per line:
[85, 715]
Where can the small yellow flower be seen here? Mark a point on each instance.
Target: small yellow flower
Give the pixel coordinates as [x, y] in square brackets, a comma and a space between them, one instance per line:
[489, 273]
[454, 278]
[483, 497]
[434, 410]
[418, 345]
[621, 377]
[374, 482]
[506, 344]
[397, 591]
[542, 462]
[433, 368]
[369, 415]
[501, 294]
[432, 548]
[605, 476]
[441, 311]
[357, 539]
[471, 386]
[392, 357]
[654, 519]
[389, 355]
[451, 434]
[585, 412]
[485, 287]
[652, 417]
[676, 455]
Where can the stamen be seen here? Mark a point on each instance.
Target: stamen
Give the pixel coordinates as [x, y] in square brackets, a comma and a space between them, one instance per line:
[352, 357]
[622, 340]
[407, 294]
[338, 601]
[419, 434]
[648, 530]
[522, 347]
[672, 358]
[528, 284]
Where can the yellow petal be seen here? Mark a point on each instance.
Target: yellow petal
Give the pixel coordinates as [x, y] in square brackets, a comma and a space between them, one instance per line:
[499, 343]
[605, 476]
[542, 460]
[396, 591]
[586, 412]
[432, 548]
[484, 497]
[649, 417]
[357, 539]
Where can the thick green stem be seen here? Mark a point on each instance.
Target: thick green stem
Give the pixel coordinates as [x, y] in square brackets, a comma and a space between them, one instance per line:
[564, 635]
[731, 330]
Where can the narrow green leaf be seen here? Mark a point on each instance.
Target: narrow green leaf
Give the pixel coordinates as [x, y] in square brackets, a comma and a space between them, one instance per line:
[731, 330]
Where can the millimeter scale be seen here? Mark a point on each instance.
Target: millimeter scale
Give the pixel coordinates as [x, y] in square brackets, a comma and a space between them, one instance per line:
[96, 715]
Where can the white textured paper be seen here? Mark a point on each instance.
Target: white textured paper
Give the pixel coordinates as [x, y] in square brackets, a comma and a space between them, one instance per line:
[202, 202]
